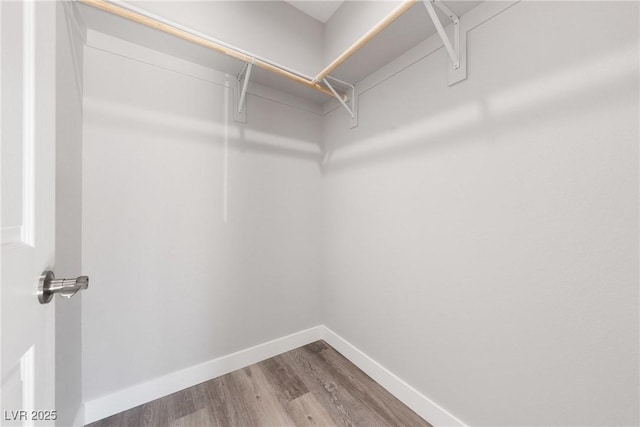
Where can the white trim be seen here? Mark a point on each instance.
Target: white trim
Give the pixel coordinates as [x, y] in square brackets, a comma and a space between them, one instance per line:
[433, 413]
[28, 122]
[156, 388]
[28, 378]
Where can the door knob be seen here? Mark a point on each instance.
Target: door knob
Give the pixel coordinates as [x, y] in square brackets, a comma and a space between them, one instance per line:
[48, 285]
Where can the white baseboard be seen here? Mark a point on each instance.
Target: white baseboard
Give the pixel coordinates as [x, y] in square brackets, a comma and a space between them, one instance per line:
[139, 394]
[419, 403]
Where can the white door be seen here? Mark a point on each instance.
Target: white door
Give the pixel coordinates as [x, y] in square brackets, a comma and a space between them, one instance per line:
[27, 123]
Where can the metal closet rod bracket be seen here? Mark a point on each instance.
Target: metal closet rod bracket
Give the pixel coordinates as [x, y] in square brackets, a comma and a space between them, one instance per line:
[243, 84]
[452, 49]
[352, 106]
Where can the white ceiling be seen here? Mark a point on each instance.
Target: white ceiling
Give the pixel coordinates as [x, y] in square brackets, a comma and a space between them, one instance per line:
[320, 10]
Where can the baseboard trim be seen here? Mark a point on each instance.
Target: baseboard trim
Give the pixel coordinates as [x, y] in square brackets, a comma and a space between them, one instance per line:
[139, 394]
[419, 403]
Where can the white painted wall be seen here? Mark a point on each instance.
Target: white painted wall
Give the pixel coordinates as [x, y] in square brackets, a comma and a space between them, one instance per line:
[481, 240]
[69, 63]
[174, 280]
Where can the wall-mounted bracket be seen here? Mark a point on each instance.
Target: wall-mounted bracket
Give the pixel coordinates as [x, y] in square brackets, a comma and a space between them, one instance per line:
[352, 106]
[451, 50]
[457, 50]
[243, 84]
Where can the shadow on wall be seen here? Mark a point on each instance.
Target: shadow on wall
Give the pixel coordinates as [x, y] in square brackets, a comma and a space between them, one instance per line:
[570, 91]
[169, 125]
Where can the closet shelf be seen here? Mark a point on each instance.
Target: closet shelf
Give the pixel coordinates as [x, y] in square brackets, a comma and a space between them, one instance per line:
[166, 26]
[320, 82]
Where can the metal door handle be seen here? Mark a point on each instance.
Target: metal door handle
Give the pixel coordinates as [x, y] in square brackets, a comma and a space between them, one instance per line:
[48, 285]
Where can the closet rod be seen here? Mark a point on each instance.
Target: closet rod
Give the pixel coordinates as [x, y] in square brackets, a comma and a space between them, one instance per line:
[384, 23]
[192, 36]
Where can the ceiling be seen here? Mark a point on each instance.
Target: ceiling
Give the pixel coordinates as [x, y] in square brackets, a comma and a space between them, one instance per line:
[320, 10]
[407, 31]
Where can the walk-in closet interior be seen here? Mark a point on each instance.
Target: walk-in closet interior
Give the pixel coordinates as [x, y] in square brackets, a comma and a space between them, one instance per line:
[436, 201]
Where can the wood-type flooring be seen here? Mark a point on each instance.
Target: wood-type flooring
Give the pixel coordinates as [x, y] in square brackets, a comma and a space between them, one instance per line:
[313, 385]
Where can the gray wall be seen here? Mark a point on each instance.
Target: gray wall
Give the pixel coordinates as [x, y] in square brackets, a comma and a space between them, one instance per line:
[69, 50]
[175, 280]
[481, 240]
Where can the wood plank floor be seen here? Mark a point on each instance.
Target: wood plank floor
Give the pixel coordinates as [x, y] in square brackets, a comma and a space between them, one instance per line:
[312, 385]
